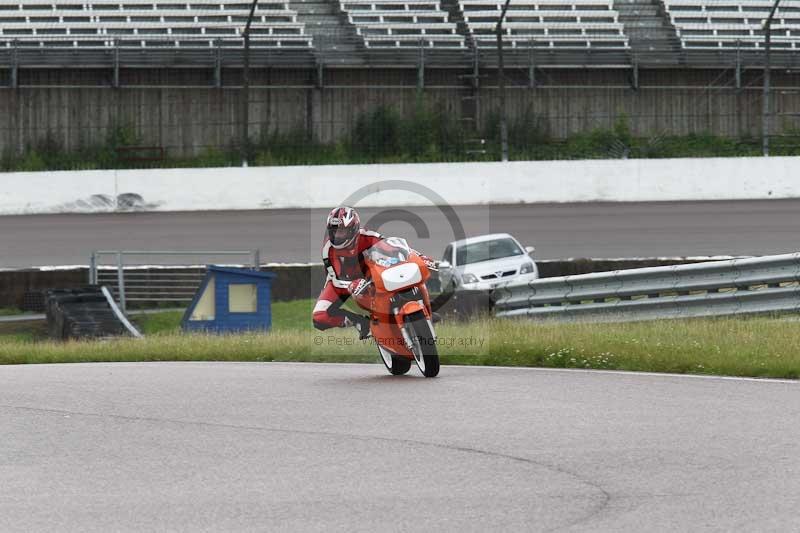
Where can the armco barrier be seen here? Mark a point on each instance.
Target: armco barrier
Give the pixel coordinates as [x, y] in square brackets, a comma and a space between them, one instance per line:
[24, 288]
[755, 285]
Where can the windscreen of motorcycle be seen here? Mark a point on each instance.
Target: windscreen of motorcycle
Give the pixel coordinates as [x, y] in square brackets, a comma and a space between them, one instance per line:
[392, 254]
[388, 252]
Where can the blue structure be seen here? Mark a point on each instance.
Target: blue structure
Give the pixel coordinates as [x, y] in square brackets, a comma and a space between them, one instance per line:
[231, 300]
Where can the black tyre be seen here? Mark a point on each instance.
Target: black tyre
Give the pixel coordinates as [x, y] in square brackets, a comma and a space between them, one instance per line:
[424, 344]
[400, 365]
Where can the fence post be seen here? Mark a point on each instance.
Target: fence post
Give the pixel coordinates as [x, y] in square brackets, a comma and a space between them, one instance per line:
[421, 67]
[256, 259]
[738, 64]
[93, 268]
[245, 98]
[217, 64]
[14, 66]
[766, 114]
[320, 79]
[531, 65]
[501, 82]
[116, 63]
[765, 118]
[121, 281]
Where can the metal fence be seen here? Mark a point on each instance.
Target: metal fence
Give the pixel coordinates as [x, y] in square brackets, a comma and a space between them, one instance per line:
[154, 278]
[757, 285]
[124, 107]
[117, 90]
[178, 118]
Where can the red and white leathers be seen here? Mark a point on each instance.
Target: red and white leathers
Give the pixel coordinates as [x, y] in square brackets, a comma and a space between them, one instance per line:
[344, 267]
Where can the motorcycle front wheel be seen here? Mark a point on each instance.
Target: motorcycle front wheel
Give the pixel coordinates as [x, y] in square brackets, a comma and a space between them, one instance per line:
[397, 366]
[423, 344]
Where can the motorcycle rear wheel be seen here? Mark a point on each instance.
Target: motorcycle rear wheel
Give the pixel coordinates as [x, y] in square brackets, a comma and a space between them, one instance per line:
[423, 344]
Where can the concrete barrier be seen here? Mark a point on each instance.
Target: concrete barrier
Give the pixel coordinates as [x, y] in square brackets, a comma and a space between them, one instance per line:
[202, 189]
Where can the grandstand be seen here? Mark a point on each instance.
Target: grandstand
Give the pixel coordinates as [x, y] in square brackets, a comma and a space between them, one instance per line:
[147, 24]
[402, 23]
[546, 23]
[669, 66]
[734, 24]
[397, 32]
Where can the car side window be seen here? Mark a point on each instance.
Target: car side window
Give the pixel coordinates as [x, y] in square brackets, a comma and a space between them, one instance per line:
[448, 254]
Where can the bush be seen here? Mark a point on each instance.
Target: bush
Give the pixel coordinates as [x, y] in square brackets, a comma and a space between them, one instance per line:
[377, 133]
[788, 143]
[30, 162]
[696, 145]
[418, 134]
[49, 154]
[430, 133]
[527, 137]
[296, 148]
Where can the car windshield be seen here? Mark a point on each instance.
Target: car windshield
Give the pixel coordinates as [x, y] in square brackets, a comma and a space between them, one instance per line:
[388, 252]
[486, 251]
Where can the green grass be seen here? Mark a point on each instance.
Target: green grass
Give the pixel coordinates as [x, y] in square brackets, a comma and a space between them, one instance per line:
[28, 330]
[761, 347]
[11, 311]
[294, 315]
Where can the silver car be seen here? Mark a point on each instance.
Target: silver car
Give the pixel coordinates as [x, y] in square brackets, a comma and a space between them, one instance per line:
[481, 263]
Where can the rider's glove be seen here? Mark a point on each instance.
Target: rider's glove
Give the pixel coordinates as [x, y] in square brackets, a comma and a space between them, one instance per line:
[430, 263]
[357, 287]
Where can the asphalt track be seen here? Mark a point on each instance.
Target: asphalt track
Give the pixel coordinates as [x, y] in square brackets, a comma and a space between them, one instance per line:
[317, 447]
[557, 231]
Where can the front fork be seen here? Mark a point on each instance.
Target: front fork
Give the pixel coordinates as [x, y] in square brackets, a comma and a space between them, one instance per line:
[421, 304]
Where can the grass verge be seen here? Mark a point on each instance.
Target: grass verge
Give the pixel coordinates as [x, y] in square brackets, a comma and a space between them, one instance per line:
[758, 347]
[286, 316]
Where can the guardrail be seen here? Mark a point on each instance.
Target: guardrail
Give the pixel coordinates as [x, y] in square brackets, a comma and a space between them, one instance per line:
[755, 285]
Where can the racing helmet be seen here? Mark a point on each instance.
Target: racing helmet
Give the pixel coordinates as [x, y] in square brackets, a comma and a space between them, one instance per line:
[343, 226]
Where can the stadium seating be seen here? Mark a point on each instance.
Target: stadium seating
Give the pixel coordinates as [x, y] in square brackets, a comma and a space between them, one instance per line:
[583, 24]
[147, 24]
[726, 24]
[402, 23]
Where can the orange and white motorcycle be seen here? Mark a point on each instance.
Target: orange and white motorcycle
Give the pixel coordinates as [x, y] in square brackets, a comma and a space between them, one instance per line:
[395, 295]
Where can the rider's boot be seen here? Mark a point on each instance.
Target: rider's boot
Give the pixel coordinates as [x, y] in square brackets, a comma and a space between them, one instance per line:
[362, 326]
[361, 323]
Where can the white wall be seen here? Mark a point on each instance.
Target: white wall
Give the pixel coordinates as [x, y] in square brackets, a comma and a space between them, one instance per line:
[456, 183]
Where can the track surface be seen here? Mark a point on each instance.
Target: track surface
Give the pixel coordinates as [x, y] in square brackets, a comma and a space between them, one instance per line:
[313, 447]
[557, 231]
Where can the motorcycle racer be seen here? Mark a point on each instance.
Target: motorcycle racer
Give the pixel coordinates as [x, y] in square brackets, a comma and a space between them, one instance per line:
[342, 249]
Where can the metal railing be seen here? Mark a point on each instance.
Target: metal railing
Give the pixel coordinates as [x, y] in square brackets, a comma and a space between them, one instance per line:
[121, 52]
[154, 277]
[769, 284]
